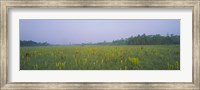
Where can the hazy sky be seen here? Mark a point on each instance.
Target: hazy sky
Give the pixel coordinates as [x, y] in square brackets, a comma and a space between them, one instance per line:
[83, 31]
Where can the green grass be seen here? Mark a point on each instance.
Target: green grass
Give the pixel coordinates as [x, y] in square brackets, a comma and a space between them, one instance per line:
[135, 57]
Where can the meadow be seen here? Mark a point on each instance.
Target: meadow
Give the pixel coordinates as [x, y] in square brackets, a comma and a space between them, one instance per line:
[121, 57]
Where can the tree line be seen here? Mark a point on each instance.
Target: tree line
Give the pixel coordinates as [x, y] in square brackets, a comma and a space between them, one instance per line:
[133, 40]
[143, 40]
[149, 40]
[32, 43]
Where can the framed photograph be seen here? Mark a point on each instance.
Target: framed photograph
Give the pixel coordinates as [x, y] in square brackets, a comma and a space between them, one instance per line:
[103, 44]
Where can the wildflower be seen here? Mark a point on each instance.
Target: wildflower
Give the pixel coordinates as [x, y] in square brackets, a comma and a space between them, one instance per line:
[134, 61]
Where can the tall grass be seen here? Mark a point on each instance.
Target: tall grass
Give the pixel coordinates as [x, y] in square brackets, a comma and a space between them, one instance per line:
[136, 57]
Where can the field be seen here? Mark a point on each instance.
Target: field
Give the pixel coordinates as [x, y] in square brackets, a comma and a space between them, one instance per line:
[129, 57]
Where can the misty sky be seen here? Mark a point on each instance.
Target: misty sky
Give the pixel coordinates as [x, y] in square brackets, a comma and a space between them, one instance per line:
[84, 31]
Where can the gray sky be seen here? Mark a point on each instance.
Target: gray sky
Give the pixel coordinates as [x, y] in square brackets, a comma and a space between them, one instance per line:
[77, 31]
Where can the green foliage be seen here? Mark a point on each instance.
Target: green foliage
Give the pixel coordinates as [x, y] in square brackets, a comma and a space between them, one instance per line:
[36, 67]
[126, 57]
[60, 65]
[175, 66]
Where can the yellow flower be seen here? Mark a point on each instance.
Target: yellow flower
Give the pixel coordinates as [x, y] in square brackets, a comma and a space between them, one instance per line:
[134, 61]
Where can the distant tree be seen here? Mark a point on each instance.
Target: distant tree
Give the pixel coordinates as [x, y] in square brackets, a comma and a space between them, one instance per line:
[32, 43]
[148, 40]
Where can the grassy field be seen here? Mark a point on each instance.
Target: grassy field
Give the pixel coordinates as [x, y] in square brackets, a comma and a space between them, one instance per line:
[141, 57]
